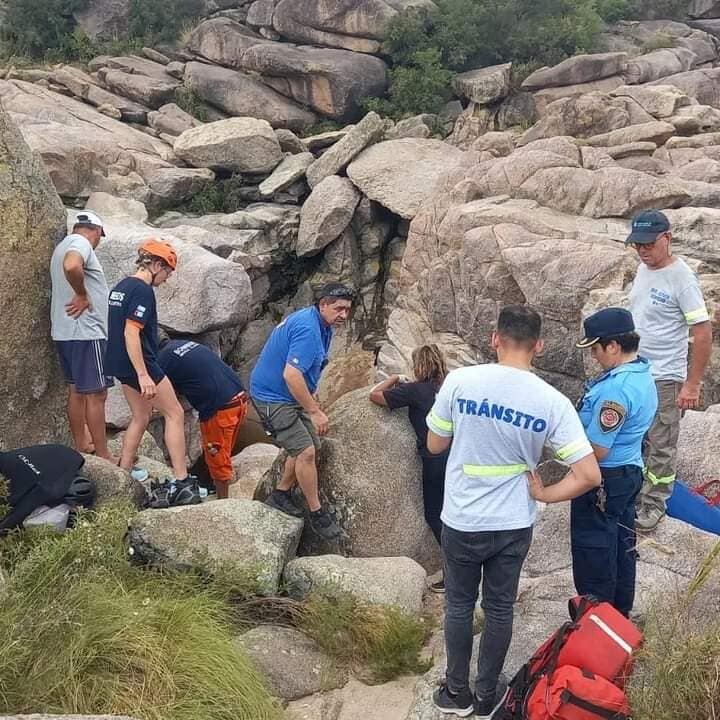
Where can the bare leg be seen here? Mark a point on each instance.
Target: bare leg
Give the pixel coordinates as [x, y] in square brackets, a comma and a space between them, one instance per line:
[95, 414]
[222, 489]
[141, 410]
[288, 479]
[76, 417]
[167, 403]
[307, 477]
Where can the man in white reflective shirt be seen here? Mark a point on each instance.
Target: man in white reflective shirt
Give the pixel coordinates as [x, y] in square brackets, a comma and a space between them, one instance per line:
[498, 417]
[668, 307]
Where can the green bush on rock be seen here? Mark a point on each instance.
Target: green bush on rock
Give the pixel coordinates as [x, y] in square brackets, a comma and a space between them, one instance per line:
[85, 632]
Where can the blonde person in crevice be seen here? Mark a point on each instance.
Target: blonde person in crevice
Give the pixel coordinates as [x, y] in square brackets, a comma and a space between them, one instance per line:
[430, 370]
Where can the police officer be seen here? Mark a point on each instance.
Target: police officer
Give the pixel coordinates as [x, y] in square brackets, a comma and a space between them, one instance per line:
[616, 411]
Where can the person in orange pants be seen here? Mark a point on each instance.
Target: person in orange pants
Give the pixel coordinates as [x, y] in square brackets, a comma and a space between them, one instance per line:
[215, 391]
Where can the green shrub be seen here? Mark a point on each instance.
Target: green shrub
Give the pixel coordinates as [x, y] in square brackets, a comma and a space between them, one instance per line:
[427, 47]
[658, 42]
[85, 632]
[678, 673]
[33, 28]
[46, 29]
[188, 99]
[222, 196]
[162, 19]
[387, 640]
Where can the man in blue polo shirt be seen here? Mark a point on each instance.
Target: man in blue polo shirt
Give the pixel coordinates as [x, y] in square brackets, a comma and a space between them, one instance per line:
[616, 411]
[283, 386]
[215, 391]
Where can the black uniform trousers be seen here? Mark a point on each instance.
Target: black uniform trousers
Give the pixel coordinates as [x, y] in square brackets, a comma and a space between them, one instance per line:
[603, 542]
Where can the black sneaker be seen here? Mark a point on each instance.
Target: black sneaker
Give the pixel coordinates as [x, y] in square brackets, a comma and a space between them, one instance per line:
[184, 492]
[324, 525]
[488, 707]
[438, 587]
[451, 703]
[282, 501]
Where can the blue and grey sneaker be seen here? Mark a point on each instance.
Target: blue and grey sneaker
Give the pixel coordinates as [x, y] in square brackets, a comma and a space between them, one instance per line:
[450, 703]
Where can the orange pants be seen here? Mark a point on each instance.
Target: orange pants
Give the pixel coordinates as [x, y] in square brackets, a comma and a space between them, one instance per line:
[219, 434]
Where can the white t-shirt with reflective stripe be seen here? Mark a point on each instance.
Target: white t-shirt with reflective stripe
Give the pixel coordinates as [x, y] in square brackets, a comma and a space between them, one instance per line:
[499, 418]
[664, 303]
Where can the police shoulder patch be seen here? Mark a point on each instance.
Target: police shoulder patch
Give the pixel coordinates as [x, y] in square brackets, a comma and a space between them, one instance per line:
[612, 416]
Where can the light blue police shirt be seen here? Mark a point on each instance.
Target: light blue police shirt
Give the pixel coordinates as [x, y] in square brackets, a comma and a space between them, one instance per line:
[617, 410]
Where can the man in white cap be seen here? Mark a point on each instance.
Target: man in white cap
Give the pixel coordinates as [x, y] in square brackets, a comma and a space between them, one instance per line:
[79, 312]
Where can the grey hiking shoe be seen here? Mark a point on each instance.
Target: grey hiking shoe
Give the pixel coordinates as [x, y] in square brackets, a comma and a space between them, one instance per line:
[648, 517]
[283, 501]
[323, 524]
[185, 492]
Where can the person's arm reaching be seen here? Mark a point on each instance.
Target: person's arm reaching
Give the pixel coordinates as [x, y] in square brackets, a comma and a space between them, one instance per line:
[299, 390]
[134, 351]
[689, 395]
[584, 475]
[377, 394]
[74, 269]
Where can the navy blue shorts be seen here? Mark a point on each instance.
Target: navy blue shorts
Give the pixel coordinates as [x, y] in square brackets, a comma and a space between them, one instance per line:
[83, 365]
[155, 372]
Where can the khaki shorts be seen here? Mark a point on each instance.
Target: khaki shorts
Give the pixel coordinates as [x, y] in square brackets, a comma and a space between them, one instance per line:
[290, 425]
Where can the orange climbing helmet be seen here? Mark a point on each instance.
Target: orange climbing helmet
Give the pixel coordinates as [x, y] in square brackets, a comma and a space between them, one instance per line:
[160, 249]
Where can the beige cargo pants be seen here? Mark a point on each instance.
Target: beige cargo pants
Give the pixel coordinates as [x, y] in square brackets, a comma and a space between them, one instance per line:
[661, 449]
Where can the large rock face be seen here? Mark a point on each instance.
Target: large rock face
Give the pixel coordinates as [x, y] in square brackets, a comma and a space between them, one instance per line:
[104, 19]
[34, 220]
[206, 293]
[331, 82]
[85, 151]
[370, 474]
[245, 145]
[292, 663]
[391, 581]
[239, 94]
[401, 174]
[345, 24]
[240, 534]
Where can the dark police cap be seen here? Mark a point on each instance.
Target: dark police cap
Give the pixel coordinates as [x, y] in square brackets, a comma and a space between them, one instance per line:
[647, 226]
[608, 323]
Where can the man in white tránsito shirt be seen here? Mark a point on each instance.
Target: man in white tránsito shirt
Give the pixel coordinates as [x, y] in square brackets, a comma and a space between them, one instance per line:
[498, 417]
[667, 307]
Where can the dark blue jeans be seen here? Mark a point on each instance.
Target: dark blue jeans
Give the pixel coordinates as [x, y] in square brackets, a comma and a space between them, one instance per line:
[603, 543]
[433, 479]
[494, 558]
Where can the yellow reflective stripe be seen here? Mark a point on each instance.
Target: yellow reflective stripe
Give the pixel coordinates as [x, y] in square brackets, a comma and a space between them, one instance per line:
[655, 480]
[445, 425]
[494, 470]
[571, 448]
[695, 315]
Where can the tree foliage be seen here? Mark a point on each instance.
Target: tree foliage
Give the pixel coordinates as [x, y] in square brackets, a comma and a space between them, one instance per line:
[427, 47]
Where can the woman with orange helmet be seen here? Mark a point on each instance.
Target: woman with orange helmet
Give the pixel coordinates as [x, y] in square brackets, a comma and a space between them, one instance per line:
[132, 358]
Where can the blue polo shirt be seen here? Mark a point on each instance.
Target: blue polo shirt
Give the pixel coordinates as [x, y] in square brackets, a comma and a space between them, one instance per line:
[200, 375]
[302, 340]
[618, 409]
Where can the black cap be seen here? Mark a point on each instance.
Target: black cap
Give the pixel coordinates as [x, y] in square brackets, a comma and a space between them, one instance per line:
[607, 323]
[647, 226]
[336, 291]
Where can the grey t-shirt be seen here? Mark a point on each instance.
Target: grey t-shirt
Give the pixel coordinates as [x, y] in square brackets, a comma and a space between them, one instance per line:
[664, 303]
[499, 418]
[92, 324]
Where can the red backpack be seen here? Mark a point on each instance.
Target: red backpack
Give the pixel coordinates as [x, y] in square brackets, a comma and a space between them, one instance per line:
[580, 672]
